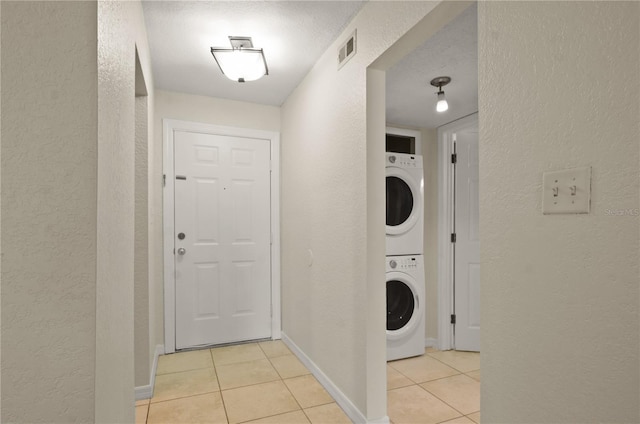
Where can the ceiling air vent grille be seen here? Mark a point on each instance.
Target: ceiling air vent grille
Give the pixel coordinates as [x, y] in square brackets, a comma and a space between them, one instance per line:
[347, 50]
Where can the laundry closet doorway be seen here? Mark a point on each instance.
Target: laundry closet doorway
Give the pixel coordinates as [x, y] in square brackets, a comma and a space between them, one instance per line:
[220, 225]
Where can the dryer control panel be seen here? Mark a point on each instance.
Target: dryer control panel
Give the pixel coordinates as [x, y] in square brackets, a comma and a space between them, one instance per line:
[403, 263]
[404, 160]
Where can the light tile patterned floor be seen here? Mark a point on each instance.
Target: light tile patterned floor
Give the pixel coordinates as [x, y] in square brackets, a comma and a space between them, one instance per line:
[255, 382]
[438, 387]
[265, 383]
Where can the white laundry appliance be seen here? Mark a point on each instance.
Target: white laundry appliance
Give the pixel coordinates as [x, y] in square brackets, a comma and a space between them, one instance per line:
[405, 306]
[405, 204]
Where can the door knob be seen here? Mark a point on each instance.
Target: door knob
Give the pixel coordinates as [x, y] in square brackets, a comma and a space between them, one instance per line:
[182, 251]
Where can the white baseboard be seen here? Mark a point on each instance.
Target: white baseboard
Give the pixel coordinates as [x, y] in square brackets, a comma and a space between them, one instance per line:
[146, 392]
[431, 342]
[345, 403]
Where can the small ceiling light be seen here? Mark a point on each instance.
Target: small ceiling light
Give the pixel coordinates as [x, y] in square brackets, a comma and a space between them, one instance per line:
[241, 62]
[439, 82]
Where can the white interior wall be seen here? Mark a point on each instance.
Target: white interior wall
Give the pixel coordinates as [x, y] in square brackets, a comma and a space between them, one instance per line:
[121, 30]
[49, 159]
[430, 161]
[327, 168]
[141, 333]
[68, 140]
[559, 88]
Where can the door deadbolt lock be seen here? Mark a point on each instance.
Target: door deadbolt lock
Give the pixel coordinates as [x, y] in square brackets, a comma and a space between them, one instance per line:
[182, 251]
[181, 236]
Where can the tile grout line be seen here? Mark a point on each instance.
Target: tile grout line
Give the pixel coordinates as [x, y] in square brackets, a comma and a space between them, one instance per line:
[224, 405]
[445, 402]
[450, 366]
[187, 396]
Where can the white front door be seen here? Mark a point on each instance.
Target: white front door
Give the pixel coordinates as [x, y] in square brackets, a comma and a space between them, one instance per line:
[467, 246]
[222, 239]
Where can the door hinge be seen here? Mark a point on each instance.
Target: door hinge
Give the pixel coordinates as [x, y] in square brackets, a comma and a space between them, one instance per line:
[453, 318]
[164, 180]
[453, 237]
[454, 158]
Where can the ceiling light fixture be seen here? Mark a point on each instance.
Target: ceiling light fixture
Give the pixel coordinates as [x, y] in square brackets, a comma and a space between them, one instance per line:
[439, 82]
[241, 62]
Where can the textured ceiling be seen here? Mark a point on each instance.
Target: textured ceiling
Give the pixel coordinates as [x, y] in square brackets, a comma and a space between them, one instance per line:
[453, 52]
[293, 35]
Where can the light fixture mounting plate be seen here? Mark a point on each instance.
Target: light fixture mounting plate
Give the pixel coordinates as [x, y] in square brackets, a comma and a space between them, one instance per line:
[440, 81]
[241, 42]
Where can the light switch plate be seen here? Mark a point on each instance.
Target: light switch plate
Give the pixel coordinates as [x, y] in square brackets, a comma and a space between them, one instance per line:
[566, 191]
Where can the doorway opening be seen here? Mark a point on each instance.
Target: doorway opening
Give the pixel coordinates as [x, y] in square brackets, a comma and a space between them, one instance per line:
[435, 39]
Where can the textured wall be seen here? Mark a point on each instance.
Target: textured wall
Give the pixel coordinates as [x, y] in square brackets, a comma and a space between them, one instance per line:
[324, 203]
[430, 159]
[49, 159]
[559, 88]
[142, 348]
[120, 29]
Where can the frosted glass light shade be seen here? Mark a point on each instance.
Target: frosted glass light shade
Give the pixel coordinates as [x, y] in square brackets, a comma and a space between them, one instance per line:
[442, 104]
[241, 64]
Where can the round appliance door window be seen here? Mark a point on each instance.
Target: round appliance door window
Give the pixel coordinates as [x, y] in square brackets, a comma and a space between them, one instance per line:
[399, 201]
[400, 305]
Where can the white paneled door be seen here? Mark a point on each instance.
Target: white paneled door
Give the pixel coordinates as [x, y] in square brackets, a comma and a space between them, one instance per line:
[222, 239]
[467, 245]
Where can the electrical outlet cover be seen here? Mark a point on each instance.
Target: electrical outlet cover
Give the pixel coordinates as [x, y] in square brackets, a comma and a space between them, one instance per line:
[567, 191]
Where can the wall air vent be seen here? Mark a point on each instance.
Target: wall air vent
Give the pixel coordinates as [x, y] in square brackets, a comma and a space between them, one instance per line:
[347, 50]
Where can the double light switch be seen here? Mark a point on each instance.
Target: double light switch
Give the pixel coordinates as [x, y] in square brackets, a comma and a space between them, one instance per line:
[566, 191]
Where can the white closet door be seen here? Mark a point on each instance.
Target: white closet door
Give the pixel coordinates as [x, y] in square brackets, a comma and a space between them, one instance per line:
[467, 246]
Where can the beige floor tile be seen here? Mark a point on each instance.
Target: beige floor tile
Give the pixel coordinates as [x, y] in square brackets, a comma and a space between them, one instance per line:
[475, 417]
[236, 353]
[258, 401]
[415, 405]
[295, 417]
[459, 420]
[422, 368]
[474, 374]
[289, 366]
[462, 361]
[460, 391]
[327, 414]
[141, 413]
[184, 361]
[142, 402]
[395, 379]
[183, 384]
[246, 373]
[274, 348]
[203, 409]
[307, 391]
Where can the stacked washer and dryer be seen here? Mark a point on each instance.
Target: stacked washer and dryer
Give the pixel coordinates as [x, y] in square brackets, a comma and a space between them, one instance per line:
[404, 262]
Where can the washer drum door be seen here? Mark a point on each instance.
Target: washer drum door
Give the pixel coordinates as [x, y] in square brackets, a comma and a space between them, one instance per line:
[402, 197]
[404, 310]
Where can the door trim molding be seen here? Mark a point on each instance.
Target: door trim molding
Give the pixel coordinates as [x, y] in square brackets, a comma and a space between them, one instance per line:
[169, 126]
[445, 228]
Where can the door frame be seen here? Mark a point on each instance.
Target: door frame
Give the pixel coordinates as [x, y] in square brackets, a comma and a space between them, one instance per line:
[169, 126]
[446, 220]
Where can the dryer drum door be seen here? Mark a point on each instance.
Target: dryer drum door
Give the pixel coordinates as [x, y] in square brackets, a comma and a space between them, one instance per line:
[401, 203]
